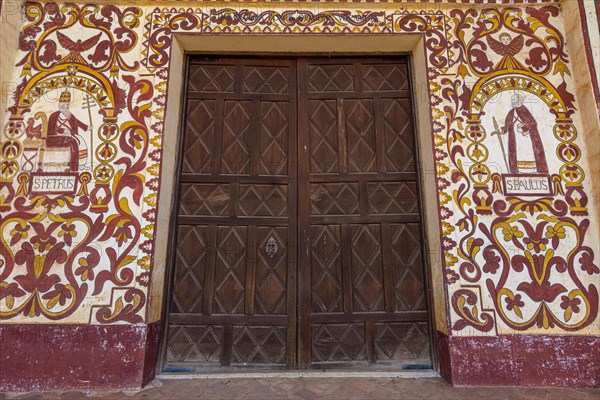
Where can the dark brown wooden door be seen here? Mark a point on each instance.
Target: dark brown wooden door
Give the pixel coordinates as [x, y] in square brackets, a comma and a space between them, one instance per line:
[362, 293]
[297, 168]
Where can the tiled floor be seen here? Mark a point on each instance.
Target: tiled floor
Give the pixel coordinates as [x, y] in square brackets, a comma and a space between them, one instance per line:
[317, 388]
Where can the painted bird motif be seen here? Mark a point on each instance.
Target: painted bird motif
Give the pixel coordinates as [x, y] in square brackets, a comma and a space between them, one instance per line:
[32, 131]
[79, 46]
[76, 48]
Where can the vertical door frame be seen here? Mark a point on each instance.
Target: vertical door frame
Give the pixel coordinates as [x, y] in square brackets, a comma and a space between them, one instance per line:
[172, 229]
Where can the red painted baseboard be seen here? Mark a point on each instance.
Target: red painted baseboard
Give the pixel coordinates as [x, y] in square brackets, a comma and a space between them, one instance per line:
[521, 360]
[52, 357]
[61, 357]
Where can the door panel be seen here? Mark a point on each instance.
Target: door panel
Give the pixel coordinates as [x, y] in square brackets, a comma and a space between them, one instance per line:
[362, 292]
[233, 295]
[298, 168]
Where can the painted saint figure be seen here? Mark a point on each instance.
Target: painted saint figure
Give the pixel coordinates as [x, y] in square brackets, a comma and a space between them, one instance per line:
[525, 148]
[63, 132]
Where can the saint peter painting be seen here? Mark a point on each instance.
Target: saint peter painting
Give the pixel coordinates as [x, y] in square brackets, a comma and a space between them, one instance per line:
[63, 132]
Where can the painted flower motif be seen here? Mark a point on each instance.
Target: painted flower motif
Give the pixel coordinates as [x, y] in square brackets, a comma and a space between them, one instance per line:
[162, 74]
[512, 232]
[147, 246]
[475, 133]
[450, 259]
[512, 303]
[536, 245]
[68, 232]
[109, 131]
[448, 244]
[463, 70]
[123, 234]
[144, 262]
[572, 172]
[161, 99]
[104, 172]
[19, 232]
[440, 154]
[433, 73]
[42, 244]
[447, 228]
[72, 70]
[564, 131]
[569, 152]
[86, 270]
[14, 129]
[32, 283]
[451, 276]
[567, 303]
[9, 291]
[556, 231]
[437, 127]
[155, 155]
[143, 279]
[492, 262]
[445, 212]
[150, 214]
[587, 264]
[8, 167]
[59, 295]
[152, 184]
[442, 183]
[479, 171]
[477, 153]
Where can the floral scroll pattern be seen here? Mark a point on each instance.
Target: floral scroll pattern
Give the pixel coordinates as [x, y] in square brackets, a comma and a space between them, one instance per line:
[512, 261]
[61, 250]
[529, 255]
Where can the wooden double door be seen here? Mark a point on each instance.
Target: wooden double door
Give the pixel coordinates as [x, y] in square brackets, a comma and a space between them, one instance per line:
[297, 237]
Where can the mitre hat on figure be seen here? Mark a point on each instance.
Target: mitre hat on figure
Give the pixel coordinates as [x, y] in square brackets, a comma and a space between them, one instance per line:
[65, 97]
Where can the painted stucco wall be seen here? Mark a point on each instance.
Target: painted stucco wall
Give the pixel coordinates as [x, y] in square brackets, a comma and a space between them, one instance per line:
[514, 166]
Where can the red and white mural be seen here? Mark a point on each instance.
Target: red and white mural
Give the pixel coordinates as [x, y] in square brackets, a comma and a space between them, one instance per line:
[81, 159]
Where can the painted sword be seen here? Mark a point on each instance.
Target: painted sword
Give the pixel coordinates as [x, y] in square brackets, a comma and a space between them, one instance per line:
[498, 133]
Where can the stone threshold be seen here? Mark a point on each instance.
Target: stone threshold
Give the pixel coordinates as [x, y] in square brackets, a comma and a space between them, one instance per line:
[301, 374]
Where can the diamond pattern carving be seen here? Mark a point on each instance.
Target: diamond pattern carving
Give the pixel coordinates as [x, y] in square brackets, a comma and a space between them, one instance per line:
[393, 198]
[330, 78]
[204, 199]
[194, 344]
[230, 270]
[190, 262]
[338, 342]
[402, 341]
[406, 257]
[323, 136]
[266, 79]
[212, 78]
[326, 268]
[366, 268]
[236, 126]
[197, 154]
[273, 139]
[398, 136]
[259, 344]
[263, 200]
[334, 198]
[361, 135]
[384, 77]
[271, 273]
